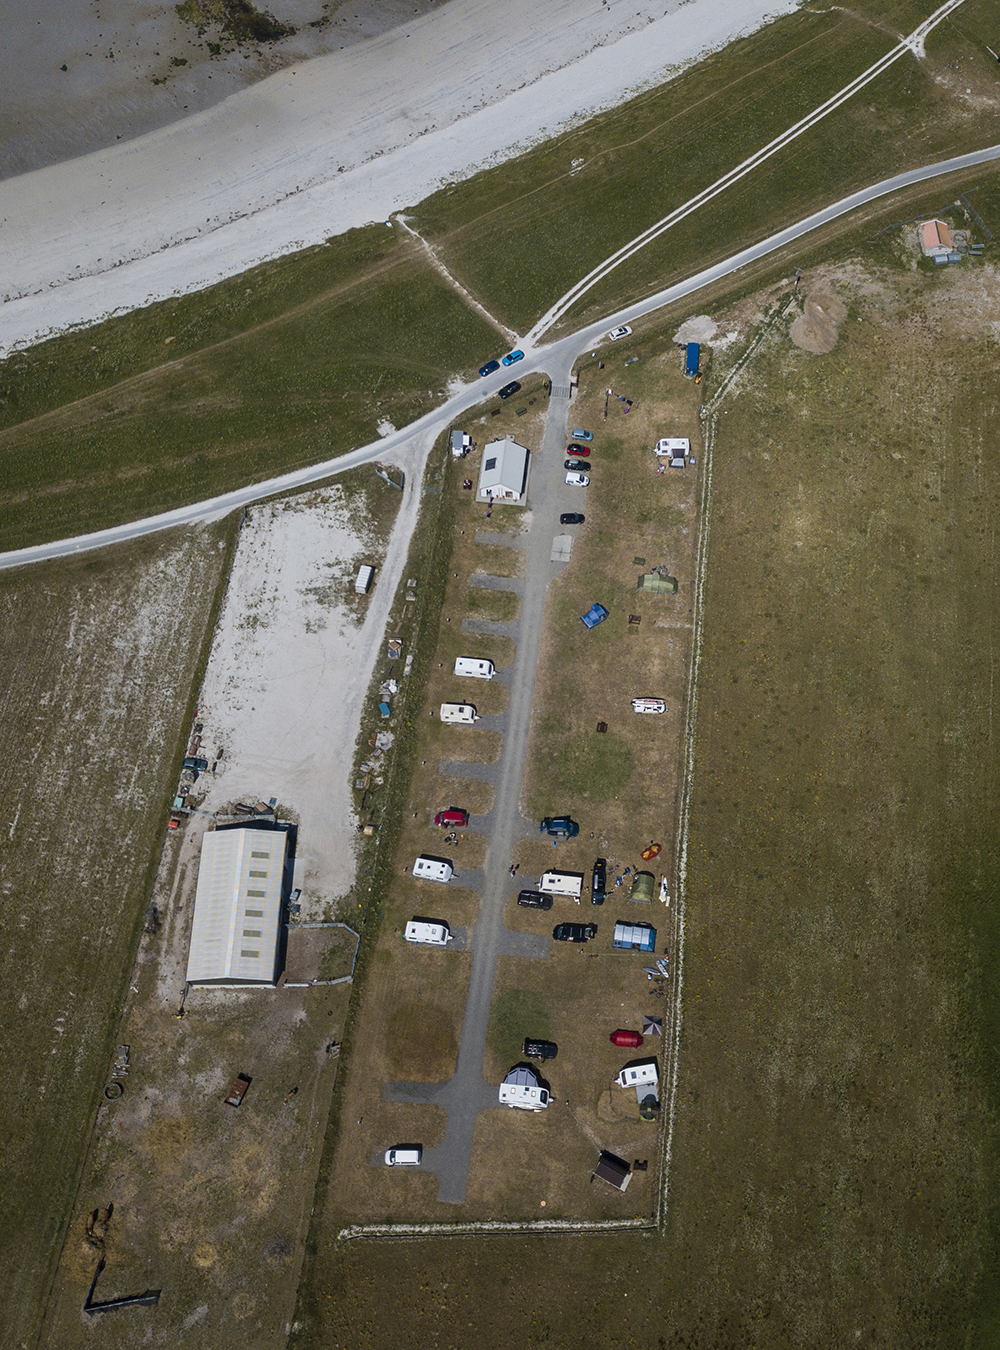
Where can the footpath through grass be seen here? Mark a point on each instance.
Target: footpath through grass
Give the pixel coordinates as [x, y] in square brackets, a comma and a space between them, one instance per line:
[292, 363]
[835, 1161]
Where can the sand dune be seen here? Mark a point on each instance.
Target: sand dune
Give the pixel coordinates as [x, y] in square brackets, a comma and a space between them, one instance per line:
[330, 144]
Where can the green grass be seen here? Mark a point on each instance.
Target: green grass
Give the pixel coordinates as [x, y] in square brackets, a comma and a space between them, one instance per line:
[591, 764]
[835, 1154]
[515, 1014]
[254, 386]
[654, 153]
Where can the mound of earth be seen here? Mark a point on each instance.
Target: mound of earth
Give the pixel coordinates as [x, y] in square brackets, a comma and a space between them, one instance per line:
[818, 326]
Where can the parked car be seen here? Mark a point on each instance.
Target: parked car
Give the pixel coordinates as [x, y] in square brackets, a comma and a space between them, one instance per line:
[561, 827]
[579, 435]
[599, 882]
[509, 389]
[489, 368]
[621, 332]
[572, 518]
[532, 1049]
[198, 765]
[595, 614]
[576, 465]
[627, 1040]
[577, 480]
[513, 356]
[453, 816]
[574, 932]
[574, 449]
[648, 705]
[534, 900]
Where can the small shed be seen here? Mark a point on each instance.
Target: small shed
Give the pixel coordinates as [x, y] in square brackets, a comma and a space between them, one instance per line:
[614, 1170]
[935, 239]
[504, 473]
[461, 444]
[634, 937]
[654, 583]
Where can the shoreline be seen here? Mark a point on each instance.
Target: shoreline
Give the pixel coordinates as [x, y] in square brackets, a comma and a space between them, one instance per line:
[292, 161]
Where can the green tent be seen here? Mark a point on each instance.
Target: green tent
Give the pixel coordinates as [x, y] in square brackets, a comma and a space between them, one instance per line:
[655, 584]
[642, 888]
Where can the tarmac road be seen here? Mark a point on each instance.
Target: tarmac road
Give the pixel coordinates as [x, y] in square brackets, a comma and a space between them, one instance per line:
[409, 447]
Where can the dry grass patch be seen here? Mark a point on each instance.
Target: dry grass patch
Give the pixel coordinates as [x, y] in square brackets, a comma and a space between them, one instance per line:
[497, 606]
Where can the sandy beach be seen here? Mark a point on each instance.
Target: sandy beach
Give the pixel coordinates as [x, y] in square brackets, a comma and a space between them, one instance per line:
[329, 144]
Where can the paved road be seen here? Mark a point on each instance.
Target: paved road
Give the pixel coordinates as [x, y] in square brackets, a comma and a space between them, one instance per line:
[408, 448]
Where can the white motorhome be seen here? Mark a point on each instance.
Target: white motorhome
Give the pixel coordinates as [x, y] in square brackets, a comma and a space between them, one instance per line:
[474, 668]
[425, 933]
[464, 714]
[432, 869]
[561, 883]
[675, 449]
[522, 1090]
[363, 581]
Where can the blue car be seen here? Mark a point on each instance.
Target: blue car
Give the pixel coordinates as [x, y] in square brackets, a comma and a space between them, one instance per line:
[595, 614]
[490, 367]
[579, 435]
[511, 357]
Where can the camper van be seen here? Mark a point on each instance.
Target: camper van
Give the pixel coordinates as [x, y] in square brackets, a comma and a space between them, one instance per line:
[462, 713]
[426, 868]
[363, 581]
[426, 933]
[562, 883]
[475, 669]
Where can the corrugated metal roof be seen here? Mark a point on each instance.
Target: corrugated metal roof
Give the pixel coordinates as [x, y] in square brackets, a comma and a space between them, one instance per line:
[505, 470]
[237, 908]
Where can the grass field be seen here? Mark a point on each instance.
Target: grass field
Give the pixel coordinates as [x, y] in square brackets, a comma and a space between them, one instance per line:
[575, 200]
[100, 656]
[835, 1159]
[295, 362]
[302, 358]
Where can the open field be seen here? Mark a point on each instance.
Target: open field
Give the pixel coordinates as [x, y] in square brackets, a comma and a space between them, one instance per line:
[835, 1156]
[574, 201]
[289, 365]
[100, 656]
[296, 359]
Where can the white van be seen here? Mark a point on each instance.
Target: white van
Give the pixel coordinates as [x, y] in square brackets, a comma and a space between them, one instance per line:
[474, 668]
[462, 713]
[363, 581]
[425, 933]
[432, 869]
[404, 1157]
[561, 883]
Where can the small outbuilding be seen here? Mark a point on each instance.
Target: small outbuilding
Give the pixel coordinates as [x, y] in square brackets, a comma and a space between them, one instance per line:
[461, 444]
[237, 908]
[614, 1170]
[935, 239]
[504, 473]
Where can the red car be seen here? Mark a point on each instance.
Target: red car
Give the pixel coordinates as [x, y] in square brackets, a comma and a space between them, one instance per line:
[629, 1040]
[453, 816]
[575, 449]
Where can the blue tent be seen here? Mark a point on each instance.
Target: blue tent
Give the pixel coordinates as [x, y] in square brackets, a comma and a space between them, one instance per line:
[634, 937]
